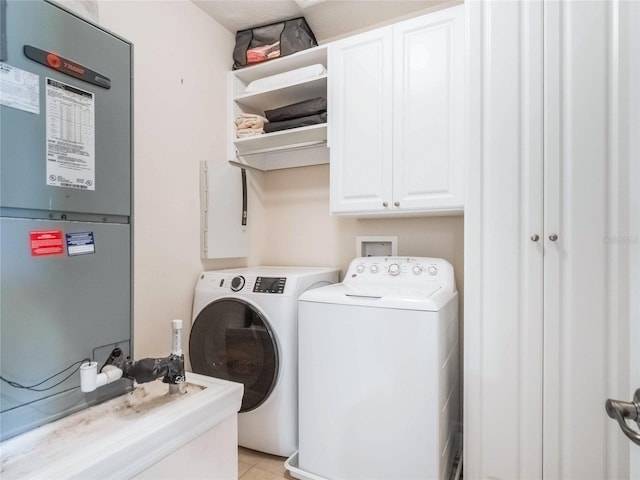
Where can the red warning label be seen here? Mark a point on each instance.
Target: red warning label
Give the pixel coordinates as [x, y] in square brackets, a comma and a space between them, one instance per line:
[47, 242]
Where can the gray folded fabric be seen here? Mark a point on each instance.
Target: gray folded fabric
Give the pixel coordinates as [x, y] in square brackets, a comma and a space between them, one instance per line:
[297, 110]
[296, 122]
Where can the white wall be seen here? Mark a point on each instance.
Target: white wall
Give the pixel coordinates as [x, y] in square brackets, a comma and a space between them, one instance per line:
[181, 60]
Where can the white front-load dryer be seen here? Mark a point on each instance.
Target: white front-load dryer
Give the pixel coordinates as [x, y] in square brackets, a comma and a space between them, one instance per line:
[245, 329]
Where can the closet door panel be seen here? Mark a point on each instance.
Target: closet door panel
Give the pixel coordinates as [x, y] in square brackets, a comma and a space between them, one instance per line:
[578, 77]
[540, 365]
[503, 264]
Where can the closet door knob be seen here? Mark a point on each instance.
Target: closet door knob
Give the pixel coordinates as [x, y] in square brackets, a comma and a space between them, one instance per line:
[535, 237]
[385, 204]
[553, 237]
[397, 204]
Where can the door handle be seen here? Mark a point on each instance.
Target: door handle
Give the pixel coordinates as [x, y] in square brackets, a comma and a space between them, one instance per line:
[621, 411]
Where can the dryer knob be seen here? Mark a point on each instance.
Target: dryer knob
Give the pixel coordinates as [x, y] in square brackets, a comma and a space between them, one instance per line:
[237, 283]
[394, 269]
[360, 268]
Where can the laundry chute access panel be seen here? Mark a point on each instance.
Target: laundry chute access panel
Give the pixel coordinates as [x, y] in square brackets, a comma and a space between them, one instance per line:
[224, 210]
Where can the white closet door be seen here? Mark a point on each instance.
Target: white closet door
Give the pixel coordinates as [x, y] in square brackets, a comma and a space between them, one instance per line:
[576, 211]
[536, 381]
[585, 284]
[503, 261]
[628, 115]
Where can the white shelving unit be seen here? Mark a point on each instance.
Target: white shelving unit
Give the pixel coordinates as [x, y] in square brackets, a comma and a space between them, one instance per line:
[278, 150]
[303, 137]
[275, 97]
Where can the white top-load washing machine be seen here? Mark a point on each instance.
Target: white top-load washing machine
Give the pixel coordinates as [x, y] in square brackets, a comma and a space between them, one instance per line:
[245, 327]
[378, 373]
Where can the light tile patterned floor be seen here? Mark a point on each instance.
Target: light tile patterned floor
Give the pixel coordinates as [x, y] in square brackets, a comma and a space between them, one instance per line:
[254, 465]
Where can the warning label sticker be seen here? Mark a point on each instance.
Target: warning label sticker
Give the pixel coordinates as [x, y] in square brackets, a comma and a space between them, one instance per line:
[80, 243]
[70, 136]
[47, 242]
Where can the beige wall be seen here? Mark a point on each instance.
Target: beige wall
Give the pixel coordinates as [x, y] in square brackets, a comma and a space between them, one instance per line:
[181, 59]
[300, 231]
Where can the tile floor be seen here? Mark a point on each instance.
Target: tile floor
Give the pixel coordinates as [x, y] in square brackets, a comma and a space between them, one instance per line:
[254, 465]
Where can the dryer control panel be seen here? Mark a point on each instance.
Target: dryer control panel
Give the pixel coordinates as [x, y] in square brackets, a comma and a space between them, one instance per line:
[269, 285]
[243, 283]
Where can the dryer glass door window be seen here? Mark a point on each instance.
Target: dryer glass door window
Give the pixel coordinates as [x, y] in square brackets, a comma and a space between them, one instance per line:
[232, 340]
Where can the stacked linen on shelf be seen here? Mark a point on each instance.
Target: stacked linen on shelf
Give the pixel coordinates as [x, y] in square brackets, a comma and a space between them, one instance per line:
[301, 114]
[249, 124]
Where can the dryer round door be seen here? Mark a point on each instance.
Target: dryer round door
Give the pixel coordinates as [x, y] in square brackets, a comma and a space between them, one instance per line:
[231, 339]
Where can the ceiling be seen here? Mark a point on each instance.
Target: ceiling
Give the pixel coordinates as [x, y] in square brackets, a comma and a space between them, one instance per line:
[329, 19]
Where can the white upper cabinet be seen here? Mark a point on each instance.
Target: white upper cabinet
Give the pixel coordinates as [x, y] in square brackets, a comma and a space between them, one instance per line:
[397, 118]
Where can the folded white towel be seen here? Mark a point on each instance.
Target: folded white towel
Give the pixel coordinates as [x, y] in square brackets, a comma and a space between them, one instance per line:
[250, 120]
[249, 132]
[292, 76]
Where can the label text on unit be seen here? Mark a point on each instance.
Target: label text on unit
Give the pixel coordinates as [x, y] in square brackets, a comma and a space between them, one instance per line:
[74, 68]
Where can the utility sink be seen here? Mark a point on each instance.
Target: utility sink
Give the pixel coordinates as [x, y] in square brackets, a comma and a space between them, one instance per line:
[146, 433]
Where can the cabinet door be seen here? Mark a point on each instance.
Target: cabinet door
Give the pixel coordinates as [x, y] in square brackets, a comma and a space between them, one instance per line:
[360, 122]
[428, 112]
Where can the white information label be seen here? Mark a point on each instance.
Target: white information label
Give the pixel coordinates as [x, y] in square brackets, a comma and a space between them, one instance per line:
[19, 89]
[70, 136]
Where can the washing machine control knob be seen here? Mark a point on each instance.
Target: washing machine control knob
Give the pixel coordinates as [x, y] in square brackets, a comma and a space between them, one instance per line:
[394, 269]
[237, 283]
[432, 270]
[360, 268]
[417, 270]
[374, 269]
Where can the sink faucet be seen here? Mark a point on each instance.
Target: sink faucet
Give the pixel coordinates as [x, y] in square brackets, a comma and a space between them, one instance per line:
[170, 368]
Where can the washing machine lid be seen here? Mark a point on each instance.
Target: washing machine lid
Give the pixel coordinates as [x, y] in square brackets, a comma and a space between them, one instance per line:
[230, 339]
[400, 298]
[408, 283]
